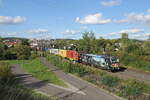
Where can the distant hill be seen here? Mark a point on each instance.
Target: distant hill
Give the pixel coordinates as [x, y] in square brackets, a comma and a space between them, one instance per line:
[14, 38]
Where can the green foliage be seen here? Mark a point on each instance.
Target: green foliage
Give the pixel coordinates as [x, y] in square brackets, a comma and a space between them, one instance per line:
[2, 51]
[5, 71]
[109, 81]
[135, 62]
[11, 90]
[67, 66]
[125, 88]
[132, 88]
[23, 51]
[33, 55]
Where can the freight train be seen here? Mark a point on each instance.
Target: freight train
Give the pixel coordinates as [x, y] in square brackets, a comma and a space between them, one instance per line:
[110, 63]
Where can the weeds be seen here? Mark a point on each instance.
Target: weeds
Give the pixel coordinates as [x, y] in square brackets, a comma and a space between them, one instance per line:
[10, 88]
[131, 89]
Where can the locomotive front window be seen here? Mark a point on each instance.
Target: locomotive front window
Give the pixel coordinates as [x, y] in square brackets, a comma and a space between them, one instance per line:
[114, 60]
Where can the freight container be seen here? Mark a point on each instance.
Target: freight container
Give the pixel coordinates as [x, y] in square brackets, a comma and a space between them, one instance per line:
[54, 51]
[63, 53]
[72, 55]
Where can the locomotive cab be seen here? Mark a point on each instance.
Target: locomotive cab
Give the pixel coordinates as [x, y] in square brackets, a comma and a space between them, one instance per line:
[114, 63]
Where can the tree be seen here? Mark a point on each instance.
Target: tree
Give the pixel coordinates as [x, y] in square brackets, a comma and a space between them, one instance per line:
[25, 42]
[23, 51]
[2, 50]
[124, 41]
[87, 43]
[147, 47]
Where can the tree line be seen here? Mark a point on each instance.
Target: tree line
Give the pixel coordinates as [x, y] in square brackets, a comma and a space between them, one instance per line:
[131, 52]
[19, 51]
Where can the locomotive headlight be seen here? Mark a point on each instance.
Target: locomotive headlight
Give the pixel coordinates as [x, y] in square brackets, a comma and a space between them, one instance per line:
[117, 60]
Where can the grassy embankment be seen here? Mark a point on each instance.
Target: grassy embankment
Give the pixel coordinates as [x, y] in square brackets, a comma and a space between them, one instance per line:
[11, 89]
[41, 72]
[38, 70]
[136, 62]
[130, 89]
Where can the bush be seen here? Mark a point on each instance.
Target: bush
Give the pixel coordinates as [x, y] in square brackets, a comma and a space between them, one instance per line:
[10, 88]
[125, 88]
[33, 55]
[132, 88]
[8, 92]
[109, 81]
[5, 71]
[135, 62]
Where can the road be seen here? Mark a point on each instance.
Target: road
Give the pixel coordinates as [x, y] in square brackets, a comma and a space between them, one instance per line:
[86, 91]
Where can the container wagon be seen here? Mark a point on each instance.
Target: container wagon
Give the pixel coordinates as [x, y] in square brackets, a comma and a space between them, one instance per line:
[63, 53]
[73, 55]
[54, 51]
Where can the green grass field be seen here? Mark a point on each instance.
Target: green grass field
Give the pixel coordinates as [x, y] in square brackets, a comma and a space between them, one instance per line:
[40, 71]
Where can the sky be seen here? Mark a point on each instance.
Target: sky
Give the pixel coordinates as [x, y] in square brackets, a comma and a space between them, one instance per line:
[46, 19]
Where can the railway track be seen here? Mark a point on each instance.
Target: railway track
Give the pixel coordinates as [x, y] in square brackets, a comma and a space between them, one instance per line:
[133, 74]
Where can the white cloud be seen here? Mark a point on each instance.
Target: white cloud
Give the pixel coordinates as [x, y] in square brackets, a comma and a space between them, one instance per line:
[129, 31]
[143, 36]
[71, 32]
[147, 34]
[11, 20]
[148, 10]
[93, 19]
[39, 30]
[8, 34]
[137, 18]
[111, 3]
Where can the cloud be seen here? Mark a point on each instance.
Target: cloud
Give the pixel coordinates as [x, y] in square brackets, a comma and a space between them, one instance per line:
[111, 3]
[8, 34]
[71, 32]
[129, 31]
[93, 19]
[148, 10]
[143, 36]
[11, 20]
[39, 30]
[137, 18]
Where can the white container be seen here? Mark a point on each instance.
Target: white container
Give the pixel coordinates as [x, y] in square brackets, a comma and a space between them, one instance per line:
[54, 51]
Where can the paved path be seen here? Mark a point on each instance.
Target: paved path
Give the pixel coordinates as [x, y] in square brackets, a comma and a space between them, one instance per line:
[92, 92]
[85, 91]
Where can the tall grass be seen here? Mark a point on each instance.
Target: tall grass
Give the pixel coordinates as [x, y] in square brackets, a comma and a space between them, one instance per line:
[130, 89]
[10, 88]
[135, 61]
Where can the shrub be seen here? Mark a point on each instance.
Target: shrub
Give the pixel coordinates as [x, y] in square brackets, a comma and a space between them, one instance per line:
[132, 88]
[33, 55]
[135, 62]
[10, 88]
[5, 70]
[109, 81]
[125, 88]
